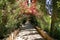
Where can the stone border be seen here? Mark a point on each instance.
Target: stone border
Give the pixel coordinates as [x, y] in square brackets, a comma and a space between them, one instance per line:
[13, 35]
[43, 34]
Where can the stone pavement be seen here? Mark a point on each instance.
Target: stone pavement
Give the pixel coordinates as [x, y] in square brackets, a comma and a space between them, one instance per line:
[28, 32]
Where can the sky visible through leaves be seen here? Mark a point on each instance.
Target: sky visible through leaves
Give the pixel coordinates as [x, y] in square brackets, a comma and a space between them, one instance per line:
[49, 6]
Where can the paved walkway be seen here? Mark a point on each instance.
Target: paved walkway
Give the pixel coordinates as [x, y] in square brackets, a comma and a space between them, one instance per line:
[28, 32]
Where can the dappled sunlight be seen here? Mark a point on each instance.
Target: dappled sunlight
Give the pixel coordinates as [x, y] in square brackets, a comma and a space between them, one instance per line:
[29, 19]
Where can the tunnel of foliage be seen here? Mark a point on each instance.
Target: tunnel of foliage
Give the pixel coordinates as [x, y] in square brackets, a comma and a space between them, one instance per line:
[11, 17]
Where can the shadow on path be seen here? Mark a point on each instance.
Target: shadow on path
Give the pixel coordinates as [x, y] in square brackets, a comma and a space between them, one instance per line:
[28, 32]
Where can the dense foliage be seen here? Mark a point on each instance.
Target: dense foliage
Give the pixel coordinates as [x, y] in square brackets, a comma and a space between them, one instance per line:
[11, 17]
[55, 25]
[44, 19]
